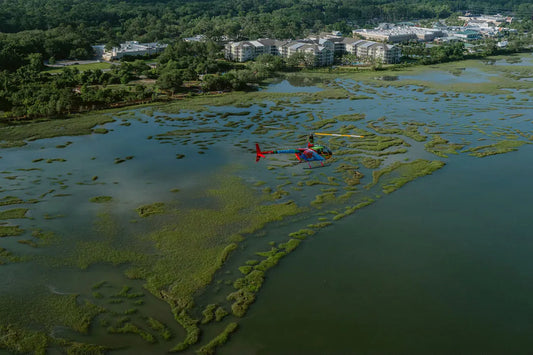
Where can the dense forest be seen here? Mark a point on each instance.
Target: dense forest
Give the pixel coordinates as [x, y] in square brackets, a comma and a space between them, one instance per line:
[31, 92]
[62, 29]
[147, 20]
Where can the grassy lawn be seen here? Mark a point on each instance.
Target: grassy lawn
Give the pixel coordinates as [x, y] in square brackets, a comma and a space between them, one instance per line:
[80, 67]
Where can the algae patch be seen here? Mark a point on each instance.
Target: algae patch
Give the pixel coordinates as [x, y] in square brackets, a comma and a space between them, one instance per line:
[10, 231]
[100, 199]
[442, 147]
[48, 310]
[151, 209]
[15, 213]
[16, 135]
[188, 245]
[398, 174]
[496, 148]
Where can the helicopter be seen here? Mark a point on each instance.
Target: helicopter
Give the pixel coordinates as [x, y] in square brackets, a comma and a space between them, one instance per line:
[312, 152]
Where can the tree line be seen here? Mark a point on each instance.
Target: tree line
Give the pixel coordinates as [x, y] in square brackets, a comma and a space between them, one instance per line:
[159, 20]
[29, 91]
[40, 30]
[66, 29]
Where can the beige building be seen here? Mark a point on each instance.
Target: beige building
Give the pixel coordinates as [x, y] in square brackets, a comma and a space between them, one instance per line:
[380, 52]
[132, 48]
[495, 20]
[322, 52]
[323, 48]
[248, 50]
[397, 34]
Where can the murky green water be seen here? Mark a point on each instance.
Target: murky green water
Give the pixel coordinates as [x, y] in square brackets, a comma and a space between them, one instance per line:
[441, 265]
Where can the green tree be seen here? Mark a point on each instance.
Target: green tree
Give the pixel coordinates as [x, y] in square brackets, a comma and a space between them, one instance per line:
[35, 61]
[272, 63]
[170, 80]
[301, 59]
[211, 82]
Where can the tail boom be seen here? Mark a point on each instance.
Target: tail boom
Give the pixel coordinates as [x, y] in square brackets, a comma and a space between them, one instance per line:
[260, 154]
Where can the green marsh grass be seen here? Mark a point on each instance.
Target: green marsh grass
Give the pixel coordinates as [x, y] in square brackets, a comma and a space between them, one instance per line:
[350, 210]
[302, 233]
[125, 292]
[245, 269]
[323, 198]
[198, 241]
[72, 126]
[500, 147]
[20, 340]
[322, 224]
[15, 213]
[220, 313]
[12, 200]
[398, 174]
[131, 328]
[159, 327]
[99, 285]
[80, 67]
[350, 117]
[209, 313]
[290, 245]
[45, 238]
[100, 130]
[101, 199]
[7, 257]
[49, 311]
[190, 249]
[220, 339]
[151, 209]
[411, 131]
[88, 253]
[28, 242]
[442, 147]
[191, 327]
[247, 287]
[10, 231]
[375, 143]
[371, 163]
[83, 348]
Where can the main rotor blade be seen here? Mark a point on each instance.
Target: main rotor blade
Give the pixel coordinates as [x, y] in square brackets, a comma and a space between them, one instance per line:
[339, 135]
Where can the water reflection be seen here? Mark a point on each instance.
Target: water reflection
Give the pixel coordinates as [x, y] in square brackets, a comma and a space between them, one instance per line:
[292, 86]
[457, 75]
[388, 78]
[514, 60]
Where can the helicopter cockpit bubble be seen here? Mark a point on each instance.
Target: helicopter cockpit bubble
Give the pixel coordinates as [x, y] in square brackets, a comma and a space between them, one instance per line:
[326, 152]
[323, 151]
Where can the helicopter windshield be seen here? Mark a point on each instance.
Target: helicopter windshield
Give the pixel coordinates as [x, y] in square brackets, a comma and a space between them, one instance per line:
[323, 151]
[327, 152]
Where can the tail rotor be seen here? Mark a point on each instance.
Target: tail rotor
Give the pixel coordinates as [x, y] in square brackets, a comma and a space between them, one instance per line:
[259, 153]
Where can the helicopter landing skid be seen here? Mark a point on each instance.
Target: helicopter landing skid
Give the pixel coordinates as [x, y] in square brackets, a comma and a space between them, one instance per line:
[315, 166]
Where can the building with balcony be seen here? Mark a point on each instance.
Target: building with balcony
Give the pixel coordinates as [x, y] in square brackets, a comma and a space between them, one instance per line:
[130, 48]
[397, 34]
[323, 48]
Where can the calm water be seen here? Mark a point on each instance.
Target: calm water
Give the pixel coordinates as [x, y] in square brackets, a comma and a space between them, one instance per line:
[441, 266]
[466, 75]
[285, 86]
